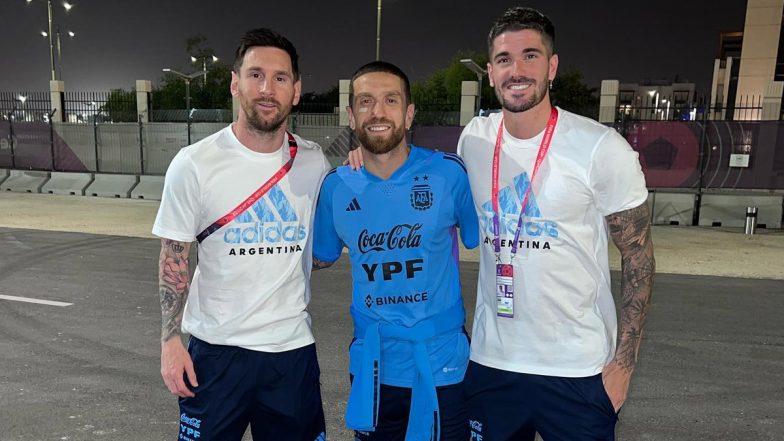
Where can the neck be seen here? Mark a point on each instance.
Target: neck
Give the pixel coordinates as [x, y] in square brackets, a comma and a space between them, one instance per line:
[527, 124]
[258, 141]
[385, 164]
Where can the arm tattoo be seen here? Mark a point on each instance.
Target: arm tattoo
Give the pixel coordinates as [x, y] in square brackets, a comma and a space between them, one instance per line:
[320, 264]
[173, 285]
[631, 232]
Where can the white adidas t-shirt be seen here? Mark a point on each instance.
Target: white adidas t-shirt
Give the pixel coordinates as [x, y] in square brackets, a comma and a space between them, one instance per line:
[252, 283]
[564, 320]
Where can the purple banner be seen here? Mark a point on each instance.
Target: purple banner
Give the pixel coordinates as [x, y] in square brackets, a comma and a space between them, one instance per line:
[32, 148]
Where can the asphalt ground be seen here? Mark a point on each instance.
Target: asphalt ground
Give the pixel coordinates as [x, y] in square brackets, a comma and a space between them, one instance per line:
[711, 364]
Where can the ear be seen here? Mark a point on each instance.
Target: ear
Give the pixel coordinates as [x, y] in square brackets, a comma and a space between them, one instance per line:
[553, 66]
[410, 112]
[490, 74]
[297, 92]
[235, 84]
[351, 121]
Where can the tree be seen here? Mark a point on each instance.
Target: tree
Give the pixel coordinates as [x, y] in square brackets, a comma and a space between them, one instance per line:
[170, 94]
[120, 106]
[570, 93]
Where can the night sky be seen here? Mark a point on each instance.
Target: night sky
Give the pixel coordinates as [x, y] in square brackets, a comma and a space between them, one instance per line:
[119, 41]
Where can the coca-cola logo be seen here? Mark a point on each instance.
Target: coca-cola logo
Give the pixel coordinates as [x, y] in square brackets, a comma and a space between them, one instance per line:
[398, 237]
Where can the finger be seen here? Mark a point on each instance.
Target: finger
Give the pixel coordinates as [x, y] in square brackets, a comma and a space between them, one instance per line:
[182, 390]
[191, 373]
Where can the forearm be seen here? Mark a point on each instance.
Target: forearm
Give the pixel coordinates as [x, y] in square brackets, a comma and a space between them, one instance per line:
[631, 232]
[174, 285]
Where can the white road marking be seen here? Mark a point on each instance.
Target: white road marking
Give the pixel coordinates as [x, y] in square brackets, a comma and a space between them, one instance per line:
[31, 300]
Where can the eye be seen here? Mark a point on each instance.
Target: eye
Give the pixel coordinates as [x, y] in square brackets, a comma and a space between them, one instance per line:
[366, 101]
[531, 56]
[280, 79]
[392, 100]
[255, 75]
[502, 60]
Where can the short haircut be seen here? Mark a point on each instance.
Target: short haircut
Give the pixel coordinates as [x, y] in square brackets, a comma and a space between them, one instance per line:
[519, 18]
[265, 38]
[383, 67]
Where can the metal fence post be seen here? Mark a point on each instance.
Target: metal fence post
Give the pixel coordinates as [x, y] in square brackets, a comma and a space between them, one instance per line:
[695, 220]
[51, 138]
[95, 139]
[11, 135]
[141, 145]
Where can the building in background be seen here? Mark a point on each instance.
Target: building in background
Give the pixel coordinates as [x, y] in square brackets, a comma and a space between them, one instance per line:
[749, 68]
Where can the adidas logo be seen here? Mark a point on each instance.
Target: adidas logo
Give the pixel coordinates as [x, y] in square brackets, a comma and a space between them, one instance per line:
[354, 205]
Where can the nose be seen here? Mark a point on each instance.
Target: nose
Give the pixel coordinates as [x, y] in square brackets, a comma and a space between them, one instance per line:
[265, 86]
[376, 108]
[517, 67]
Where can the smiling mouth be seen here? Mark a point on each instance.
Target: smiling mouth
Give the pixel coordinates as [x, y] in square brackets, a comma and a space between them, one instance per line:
[378, 128]
[518, 86]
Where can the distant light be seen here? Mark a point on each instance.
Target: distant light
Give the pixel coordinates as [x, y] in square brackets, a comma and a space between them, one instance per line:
[44, 34]
[71, 34]
[166, 69]
[68, 6]
[193, 59]
[21, 98]
[214, 58]
[651, 93]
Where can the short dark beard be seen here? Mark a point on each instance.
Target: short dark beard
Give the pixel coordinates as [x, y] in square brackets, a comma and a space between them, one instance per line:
[264, 127]
[540, 91]
[380, 146]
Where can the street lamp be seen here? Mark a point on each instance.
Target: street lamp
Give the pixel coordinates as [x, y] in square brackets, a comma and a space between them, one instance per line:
[480, 73]
[378, 32]
[187, 78]
[204, 64]
[50, 33]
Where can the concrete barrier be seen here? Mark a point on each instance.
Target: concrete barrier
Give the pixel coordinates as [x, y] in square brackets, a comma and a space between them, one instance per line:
[24, 181]
[671, 208]
[730, 210]
[3, 174]
[112, 186]
[149, 187]
[67, 183]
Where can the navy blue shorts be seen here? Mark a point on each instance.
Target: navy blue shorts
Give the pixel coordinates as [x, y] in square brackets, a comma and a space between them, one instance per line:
[509, 406]
[277, 394]
[395, 405]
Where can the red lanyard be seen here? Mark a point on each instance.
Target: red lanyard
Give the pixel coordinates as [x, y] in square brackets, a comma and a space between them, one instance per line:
[543, 147]
[244, 205]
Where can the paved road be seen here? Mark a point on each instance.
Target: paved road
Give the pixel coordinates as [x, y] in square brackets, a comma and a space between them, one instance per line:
[712, 363]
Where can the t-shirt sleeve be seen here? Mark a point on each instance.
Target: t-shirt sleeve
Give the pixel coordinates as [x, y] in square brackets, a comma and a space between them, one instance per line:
[615, 175]
[466, 212]
[326, 242]
[178, 214]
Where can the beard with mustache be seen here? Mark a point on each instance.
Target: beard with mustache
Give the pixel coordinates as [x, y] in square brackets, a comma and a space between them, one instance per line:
[258, 123]
[376, 144]
[540, 91]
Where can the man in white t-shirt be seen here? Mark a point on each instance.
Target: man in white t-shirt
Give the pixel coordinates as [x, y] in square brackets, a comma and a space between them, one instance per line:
[548, 187]
[251, 358]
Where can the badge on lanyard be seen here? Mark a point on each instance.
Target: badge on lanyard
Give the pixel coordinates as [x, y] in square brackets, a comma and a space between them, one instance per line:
[504, 279]
[504, 272]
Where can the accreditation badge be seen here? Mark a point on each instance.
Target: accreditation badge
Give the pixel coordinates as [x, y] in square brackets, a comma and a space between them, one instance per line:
[504, 279]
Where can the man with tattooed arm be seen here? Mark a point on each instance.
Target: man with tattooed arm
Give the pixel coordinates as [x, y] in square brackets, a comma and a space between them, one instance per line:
[247, 194]
[548, 187]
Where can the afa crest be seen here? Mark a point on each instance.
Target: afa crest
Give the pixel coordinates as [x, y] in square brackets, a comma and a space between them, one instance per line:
[421, 196]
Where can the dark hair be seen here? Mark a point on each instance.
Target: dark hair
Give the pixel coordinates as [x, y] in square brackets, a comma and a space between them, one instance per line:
[384, 67]
[519, 18]
[266, 38]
